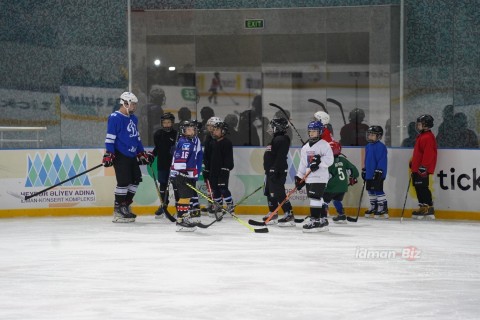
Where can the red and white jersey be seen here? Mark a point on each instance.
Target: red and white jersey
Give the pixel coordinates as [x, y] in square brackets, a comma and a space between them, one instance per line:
[322, 148]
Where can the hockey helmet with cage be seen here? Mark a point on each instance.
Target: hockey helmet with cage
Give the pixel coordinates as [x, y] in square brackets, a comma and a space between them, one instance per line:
[167, 116]
[223, 127]
[315, 126]
[213, 120]
[336, 147]
[186, 124]
[279, 125]
[426, 120]
[376, 130]
[356, 115]
[322, 116]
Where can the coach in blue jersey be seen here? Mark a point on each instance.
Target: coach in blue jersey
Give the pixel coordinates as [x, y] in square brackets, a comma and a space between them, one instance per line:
[125, 152]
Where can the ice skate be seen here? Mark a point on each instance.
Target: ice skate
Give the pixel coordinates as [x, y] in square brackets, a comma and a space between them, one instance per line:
[370, 213]
[272, 221]
[287, 221]
[430, 213]
[161, 212]
[340, 219]
[185, 224]
[121, 214]
[382, 214]
[316, 225]
[195, 215]
[420, 213]
[230, 207]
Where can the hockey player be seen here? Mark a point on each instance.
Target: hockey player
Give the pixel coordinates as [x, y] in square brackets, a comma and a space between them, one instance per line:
[220, 165]
[125, 152]
[207, 152]
[323, 117]
[422, 165]
[342, 174]
[375, 172]
[317, 156]
[185, 169]
[275, 166]
[164, 139]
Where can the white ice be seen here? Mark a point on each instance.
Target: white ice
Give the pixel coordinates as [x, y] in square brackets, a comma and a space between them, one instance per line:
[91, 268]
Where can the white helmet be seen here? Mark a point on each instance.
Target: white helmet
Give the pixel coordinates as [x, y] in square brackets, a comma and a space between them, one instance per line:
[129, 97]
[322, 116]
[213, 120]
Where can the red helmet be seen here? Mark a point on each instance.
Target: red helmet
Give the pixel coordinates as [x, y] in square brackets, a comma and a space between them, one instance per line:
[336, 147]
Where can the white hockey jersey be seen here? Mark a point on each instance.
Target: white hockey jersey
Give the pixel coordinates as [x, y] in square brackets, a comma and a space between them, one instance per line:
[322, 148]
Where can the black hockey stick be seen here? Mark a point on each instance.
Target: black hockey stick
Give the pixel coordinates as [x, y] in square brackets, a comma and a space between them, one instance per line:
[319, 103]
[228, 95]
[262, 230]
[405, 202]
[16, 195]
[338, 104]
[270, 216]
[167, 214]
[288, 119]
[359, 204]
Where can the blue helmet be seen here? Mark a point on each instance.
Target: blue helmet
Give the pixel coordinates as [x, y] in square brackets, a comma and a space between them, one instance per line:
[316, 126]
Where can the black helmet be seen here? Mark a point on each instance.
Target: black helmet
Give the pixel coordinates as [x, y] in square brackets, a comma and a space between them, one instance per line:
[426, 120]
[376, 130]
[279, 125]
[168, 116]
[188, 123]
[356, 115]
[223, 126]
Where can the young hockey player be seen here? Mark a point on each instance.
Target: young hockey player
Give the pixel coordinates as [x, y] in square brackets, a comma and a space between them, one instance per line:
[317, 156]
[185, 169]
[342, 174]
[220, 165]
[322, 116]
[207, 152]
[125, 152]
[422, 165]
[164, 139]
[375, 172]
[275, 166]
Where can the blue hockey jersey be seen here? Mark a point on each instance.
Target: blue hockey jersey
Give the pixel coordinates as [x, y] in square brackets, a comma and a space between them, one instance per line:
[375, 158]
[122, 135]
[188, 157]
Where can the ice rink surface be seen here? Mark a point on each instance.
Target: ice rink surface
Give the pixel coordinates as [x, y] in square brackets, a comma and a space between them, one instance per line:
[91, 268]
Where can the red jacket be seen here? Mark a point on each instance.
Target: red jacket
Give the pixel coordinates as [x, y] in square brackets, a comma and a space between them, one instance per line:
[425, 152]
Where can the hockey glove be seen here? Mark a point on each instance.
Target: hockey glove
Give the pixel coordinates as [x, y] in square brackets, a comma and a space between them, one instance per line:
[315, 163]
[145, 157]
[299, 183]
[108, 158]
[352, 181]
[422, 171]
[206, 174]
[377, 175]
[364, 174]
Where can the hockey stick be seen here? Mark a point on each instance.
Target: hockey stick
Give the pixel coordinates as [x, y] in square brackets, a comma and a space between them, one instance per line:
[359, 204]
[215, 206]
[270, 216]
[319, 103]
[167, 214]
[338, 104]
[406, 195]
[262, 230]
[16, 195]
[288, 119]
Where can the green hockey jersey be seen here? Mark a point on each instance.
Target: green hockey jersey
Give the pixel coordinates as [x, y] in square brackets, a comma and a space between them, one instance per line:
[340, 172]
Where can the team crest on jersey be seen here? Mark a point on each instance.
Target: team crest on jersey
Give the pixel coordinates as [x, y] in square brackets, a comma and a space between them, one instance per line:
[132, 128]
[310, 155]
[186, 146]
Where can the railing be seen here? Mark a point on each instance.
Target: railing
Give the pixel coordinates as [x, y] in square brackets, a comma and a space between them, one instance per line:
[16, 129]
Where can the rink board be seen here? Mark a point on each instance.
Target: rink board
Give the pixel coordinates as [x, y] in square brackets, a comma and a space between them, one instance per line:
[455, 185]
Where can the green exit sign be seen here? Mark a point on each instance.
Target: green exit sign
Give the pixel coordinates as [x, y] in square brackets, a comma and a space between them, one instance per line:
[254, 23]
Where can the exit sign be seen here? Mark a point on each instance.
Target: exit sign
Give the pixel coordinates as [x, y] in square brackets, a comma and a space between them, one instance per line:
[254, 24]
